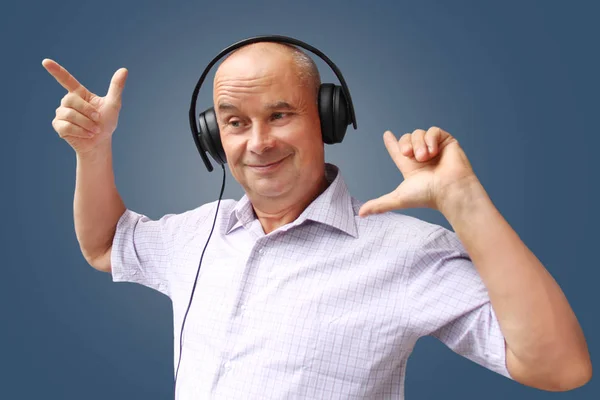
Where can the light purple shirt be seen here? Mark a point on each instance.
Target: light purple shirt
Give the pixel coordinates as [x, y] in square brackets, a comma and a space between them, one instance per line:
[327, 306]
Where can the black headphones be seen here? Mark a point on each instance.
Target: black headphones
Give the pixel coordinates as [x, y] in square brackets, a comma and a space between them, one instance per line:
[336, 111]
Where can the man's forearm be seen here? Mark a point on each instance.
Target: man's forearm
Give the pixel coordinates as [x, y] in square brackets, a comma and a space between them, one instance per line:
[97, 205]
[540, 329]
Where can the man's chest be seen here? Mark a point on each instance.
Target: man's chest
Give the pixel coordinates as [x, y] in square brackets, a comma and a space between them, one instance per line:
[314, 315]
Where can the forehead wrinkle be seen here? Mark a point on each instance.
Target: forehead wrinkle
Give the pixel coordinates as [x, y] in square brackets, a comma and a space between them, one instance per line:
[229, 89]
[242, 83]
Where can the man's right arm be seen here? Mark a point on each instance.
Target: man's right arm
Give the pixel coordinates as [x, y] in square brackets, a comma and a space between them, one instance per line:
[97, 206]
[87, 122]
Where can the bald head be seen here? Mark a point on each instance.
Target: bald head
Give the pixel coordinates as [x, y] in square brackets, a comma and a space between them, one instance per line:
[287, 55]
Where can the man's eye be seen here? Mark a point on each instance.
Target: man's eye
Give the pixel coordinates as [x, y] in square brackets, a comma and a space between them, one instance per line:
[235, 124]
[278, 115]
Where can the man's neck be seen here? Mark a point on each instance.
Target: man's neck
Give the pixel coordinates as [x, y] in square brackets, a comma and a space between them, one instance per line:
[273, 217]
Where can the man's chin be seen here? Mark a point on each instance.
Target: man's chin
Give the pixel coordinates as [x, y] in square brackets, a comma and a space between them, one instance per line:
[270, 188]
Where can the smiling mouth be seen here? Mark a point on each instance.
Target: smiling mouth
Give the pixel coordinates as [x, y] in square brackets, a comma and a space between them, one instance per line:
[267, 165]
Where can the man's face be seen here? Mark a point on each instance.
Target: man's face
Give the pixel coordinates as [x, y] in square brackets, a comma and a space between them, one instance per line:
[267, 115]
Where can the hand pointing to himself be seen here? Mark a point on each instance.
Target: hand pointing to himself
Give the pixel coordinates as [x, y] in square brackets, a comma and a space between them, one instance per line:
[75, 120]
[432, 164]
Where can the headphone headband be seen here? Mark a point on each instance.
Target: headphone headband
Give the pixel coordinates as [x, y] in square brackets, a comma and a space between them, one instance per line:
[256, 39]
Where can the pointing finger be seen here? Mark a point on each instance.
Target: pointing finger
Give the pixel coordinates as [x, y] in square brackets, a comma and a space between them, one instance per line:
[66, 80]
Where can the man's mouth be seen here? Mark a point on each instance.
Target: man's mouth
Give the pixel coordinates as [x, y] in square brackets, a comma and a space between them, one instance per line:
[265, 167]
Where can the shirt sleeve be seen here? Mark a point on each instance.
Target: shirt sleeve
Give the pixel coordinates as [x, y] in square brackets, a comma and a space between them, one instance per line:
[449, 301]
[142, 250]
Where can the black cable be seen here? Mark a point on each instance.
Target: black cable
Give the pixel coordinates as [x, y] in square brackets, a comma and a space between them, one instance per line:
[195, 281]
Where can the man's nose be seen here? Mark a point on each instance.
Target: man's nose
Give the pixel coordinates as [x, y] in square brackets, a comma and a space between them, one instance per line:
[261, 138]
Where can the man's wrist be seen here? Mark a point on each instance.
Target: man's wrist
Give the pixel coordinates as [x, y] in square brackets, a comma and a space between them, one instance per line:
[100, 153]
[463, 198]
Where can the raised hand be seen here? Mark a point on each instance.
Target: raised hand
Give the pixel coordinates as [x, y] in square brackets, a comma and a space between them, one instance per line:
[433, 165]
[84, 119]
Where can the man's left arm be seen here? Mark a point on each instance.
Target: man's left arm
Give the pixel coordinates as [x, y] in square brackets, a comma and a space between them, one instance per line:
[545, 345]
[546, 348]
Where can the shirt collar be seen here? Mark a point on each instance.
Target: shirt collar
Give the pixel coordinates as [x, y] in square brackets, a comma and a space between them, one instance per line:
[333, 207]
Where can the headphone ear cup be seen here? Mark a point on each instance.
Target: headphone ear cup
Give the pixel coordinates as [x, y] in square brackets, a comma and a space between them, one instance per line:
[340, 114]
[210, 138]
[325, 103]
[333, 112]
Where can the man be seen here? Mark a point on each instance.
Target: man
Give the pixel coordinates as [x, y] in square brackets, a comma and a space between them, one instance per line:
[303, 291]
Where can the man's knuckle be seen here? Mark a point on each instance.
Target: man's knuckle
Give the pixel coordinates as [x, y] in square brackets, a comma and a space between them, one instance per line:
[66, 99]
[70, 114]
[58, 127]
[67, 128]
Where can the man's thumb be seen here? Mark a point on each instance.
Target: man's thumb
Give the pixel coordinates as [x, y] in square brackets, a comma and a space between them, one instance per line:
[117, 83]
[387, 202]
[409, 194]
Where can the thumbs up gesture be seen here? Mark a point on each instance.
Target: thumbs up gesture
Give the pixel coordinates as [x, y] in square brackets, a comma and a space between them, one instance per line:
[84, 119]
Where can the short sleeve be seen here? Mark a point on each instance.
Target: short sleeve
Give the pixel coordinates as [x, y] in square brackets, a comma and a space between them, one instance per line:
[142, 250]
[448, 300]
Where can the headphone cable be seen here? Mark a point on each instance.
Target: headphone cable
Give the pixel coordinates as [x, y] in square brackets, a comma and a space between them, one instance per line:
[195, 281]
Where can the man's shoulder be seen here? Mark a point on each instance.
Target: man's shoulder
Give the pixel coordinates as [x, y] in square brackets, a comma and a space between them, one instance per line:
[202, 213]
[189, 220]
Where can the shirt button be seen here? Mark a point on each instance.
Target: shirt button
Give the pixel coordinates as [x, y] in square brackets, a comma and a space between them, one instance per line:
[261, 250]
[227, 366]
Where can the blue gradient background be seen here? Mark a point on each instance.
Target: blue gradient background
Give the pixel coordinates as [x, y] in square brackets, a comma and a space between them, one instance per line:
[516, 82]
